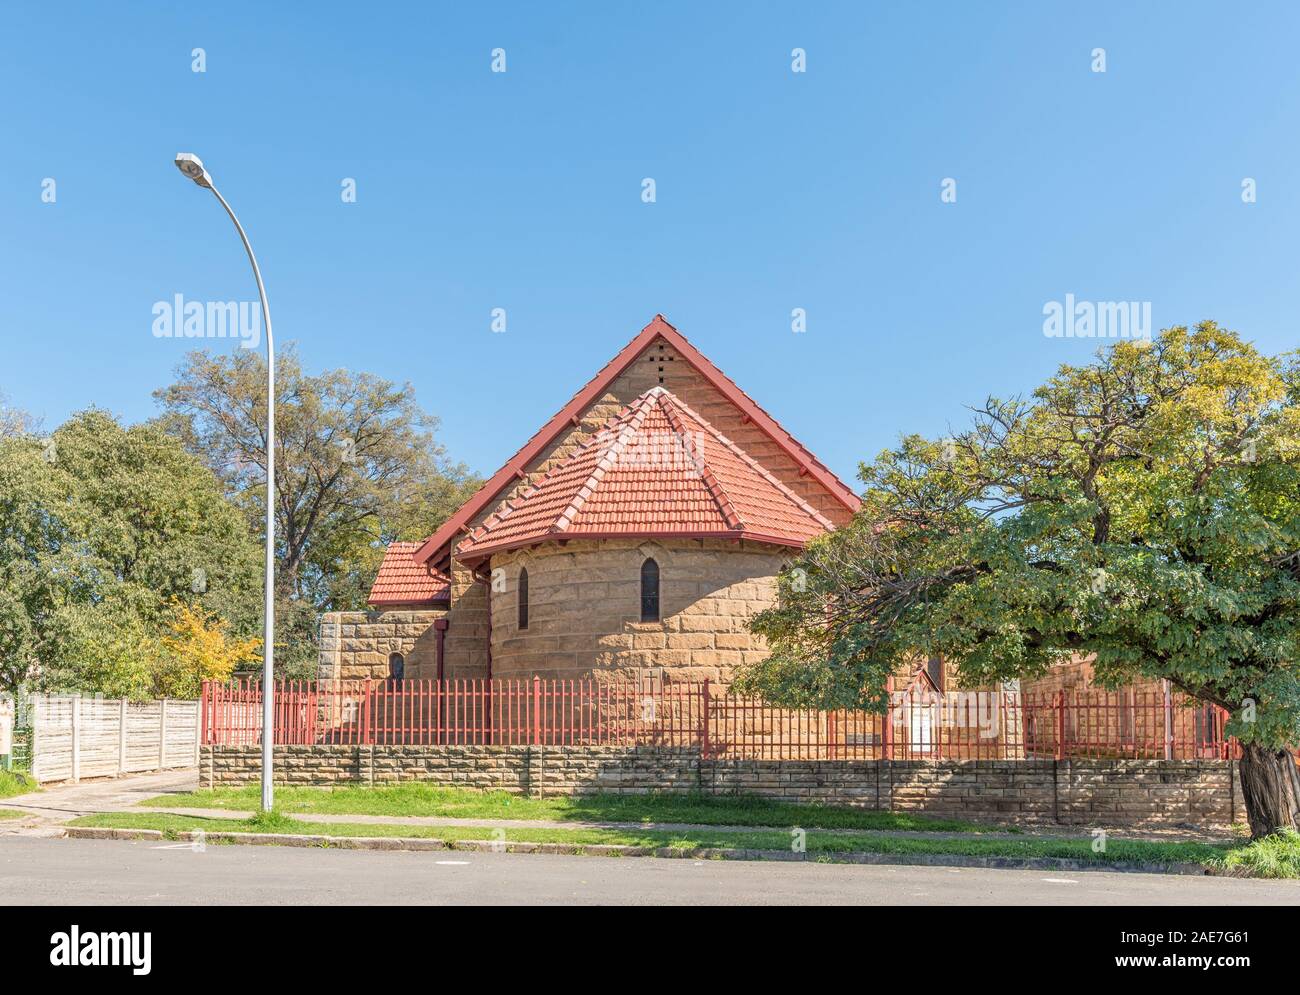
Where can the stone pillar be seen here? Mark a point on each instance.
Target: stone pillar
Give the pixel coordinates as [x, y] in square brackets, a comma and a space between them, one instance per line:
[327, 667]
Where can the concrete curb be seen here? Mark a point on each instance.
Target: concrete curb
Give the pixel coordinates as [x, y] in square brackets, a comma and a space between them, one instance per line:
[620, 850]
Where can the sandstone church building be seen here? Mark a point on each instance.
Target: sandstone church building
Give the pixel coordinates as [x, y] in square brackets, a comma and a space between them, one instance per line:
[639, 530]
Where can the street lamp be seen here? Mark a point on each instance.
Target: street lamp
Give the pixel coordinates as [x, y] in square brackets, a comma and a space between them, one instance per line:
[192, 167]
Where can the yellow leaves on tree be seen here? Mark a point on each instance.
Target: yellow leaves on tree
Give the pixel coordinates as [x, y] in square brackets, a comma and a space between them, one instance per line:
[196, 648]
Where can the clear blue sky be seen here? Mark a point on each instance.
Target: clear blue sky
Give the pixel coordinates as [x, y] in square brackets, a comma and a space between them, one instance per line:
[522, 190]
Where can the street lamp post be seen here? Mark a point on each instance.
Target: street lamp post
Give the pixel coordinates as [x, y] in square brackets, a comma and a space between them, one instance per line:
[192, 167]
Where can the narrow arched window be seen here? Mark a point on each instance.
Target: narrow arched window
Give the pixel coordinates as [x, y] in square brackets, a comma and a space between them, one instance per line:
[396, 667]
[649, 591]
[523, 598]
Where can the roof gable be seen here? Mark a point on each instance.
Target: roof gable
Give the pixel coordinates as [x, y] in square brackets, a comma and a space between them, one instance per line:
[656, 469]
[568, 416]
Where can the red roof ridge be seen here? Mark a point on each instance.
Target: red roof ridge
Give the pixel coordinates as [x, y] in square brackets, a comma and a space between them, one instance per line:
[609, 451]
[673, 399]
[711, 481]
[612, 452]
[658, 326]
[624, 415]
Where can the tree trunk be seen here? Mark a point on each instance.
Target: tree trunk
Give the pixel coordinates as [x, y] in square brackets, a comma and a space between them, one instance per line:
[1270, 786]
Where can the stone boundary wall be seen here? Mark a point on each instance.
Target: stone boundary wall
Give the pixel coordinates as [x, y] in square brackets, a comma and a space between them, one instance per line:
[535, 770]
[1073, 792]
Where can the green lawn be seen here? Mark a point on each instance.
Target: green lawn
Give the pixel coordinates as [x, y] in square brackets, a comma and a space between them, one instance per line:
[818, 844]
[425, 799]
[10, 813]
[14, 782]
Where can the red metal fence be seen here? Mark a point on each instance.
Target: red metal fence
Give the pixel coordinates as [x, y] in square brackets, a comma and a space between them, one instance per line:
[962, 725]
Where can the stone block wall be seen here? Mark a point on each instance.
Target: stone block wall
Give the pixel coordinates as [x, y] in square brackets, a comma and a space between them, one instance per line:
[356, 645]
[467, 629]
[1140, 793]
[533, 770]
[585, 609]
[296, 765]
[1150, 792]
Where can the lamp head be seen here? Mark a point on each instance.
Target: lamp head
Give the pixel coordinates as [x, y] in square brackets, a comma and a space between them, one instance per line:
[192, 166]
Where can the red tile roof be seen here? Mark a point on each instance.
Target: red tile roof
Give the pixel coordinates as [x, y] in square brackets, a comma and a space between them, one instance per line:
[434, 548]
[404, 581]
[656, 469]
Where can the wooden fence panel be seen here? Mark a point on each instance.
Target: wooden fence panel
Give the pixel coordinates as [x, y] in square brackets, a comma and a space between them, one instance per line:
[75, 737]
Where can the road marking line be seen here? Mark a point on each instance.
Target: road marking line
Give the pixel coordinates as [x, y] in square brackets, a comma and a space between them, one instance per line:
[452, 863]
[1060, 881]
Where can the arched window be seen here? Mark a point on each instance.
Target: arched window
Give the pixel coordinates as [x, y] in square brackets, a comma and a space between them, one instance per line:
[396, 667]
[649, 591]
[523, 598]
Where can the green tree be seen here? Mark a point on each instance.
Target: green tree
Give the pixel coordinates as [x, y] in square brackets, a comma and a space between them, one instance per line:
[357, 464]
[40, 569]
[1144, 508]
[102, 525]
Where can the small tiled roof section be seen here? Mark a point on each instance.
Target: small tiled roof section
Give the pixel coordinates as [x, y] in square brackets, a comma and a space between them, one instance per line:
[657, 469]
[403, 580]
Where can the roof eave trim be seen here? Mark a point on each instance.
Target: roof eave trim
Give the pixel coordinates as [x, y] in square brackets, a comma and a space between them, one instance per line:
[477, 556]
[442, 602]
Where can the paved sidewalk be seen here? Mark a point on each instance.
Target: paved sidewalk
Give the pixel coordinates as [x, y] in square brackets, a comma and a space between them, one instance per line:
[439, 820]
[61, 803]
[482, 823]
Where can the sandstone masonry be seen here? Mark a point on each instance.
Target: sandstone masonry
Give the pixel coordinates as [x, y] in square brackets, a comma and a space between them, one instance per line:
[356, 645]
[585, 605]
[1139, 793]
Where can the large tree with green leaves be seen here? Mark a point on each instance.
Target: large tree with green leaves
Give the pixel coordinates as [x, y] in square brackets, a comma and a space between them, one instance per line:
[103, 528]
[1144, 508]
[357, 464]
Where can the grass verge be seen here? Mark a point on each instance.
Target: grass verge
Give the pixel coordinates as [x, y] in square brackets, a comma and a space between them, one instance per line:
[700, 810]
[14, 782]
[818, 844]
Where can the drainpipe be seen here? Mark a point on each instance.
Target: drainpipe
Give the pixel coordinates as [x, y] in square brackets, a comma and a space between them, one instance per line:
[489, 630]
[488, 716]
[440, 627]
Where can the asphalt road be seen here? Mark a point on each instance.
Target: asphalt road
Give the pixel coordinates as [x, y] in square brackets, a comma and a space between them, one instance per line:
[64, 872]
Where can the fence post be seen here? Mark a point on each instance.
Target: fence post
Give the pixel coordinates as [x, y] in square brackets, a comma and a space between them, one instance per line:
[34, 707]
[1060, 724]
[203, 715]
[887, 724]
[365, 716]
[704, 720]
[1169, 723]
[121, 737]
[537, 710]
[76, 738]
[162, 736]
